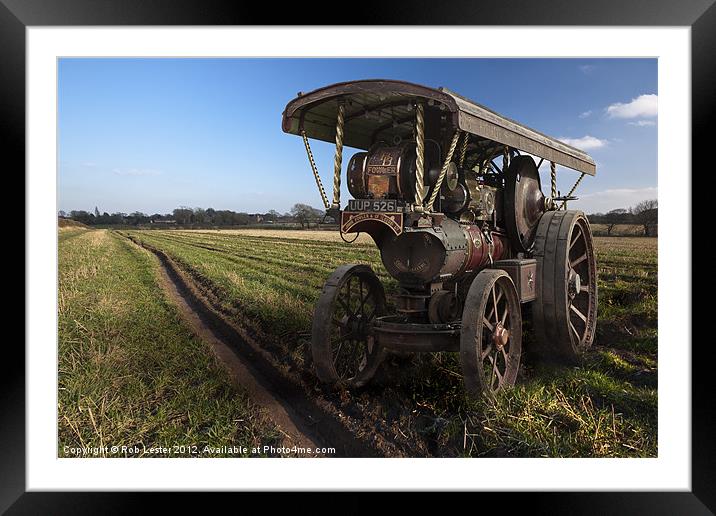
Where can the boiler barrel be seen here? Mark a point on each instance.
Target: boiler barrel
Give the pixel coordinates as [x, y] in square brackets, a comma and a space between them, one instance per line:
[423, 255]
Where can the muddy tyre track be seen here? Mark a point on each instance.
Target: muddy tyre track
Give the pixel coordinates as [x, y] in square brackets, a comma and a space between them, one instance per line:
[312, 420]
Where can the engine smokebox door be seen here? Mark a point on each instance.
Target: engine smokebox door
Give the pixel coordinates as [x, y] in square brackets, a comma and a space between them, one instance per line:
[524, 275]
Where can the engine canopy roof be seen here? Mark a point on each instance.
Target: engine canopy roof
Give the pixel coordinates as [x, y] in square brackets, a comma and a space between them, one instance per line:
[383, 108]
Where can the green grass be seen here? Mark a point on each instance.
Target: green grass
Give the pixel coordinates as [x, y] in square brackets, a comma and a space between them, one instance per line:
[606, 407]
[130, 372]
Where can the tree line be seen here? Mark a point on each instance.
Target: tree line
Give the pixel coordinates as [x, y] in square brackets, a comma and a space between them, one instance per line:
[644, 214]
[302, 214]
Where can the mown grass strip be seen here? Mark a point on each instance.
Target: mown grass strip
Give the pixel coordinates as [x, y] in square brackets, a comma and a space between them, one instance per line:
[130, 372]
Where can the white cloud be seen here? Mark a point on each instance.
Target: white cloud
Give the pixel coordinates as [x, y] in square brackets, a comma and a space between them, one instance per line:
[587, 69]
[585, 142]
[136, 172]
[606, 200]
[642, 106]
[585, 114]
[643, 123]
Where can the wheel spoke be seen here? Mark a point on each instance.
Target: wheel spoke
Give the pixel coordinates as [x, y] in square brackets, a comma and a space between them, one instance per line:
[499, 296]
[338, 352]
[349, 296]
[340, 323]
[485, 353]
[368, 293]
[356, 346]
[504, 315]
[584, 288]
[496, 299]
[487, 323]
[345, 306]
[489, 316]
[576, 237]
[342, 338]
[504, 354]
[578, 260]
[362, 299]
[372, 313]
[576, 333]
[495, 374]
[580, 314]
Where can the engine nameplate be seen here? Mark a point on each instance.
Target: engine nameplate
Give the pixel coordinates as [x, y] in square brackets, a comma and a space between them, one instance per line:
[349, 220]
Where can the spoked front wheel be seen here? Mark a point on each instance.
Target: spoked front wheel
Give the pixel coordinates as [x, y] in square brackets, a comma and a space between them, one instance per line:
[344, 351]
[491, 335]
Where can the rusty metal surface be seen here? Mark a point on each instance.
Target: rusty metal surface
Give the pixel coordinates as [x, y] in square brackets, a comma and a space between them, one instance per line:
[411, 304]
[524, 202]
[383, 172]
[524, 275]
[356, 175]
[392, 332]
[415, 257]
[484, 249]
[383, 109]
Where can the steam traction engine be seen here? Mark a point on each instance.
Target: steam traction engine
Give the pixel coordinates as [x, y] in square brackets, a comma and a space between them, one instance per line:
[451, 195]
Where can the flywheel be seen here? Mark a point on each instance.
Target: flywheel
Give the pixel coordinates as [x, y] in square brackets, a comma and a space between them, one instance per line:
[524, 202]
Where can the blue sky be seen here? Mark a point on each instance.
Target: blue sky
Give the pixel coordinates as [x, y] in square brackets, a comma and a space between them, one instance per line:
[151, 135]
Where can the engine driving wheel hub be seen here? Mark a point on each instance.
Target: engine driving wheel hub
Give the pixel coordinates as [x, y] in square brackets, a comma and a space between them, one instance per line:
[574, 284]
[500, 335]
[354, 326]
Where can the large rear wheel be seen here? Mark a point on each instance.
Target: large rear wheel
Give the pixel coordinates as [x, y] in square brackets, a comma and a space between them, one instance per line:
[342, 346]
[565, 311]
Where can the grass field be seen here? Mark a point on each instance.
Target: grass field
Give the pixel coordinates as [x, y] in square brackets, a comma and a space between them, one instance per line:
[130, 371]
[606, 407]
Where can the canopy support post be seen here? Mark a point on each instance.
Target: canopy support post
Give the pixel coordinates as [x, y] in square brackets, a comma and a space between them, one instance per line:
[420, 190]
[443, 171]
[463, 149]
[549, 202]
[338, 159]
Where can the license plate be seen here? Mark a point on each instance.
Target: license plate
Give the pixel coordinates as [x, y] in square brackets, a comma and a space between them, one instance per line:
[372, 205]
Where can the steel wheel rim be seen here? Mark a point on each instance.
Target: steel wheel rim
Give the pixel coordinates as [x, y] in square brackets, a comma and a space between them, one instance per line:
[494, 353]
[357, 304]
[581, 284]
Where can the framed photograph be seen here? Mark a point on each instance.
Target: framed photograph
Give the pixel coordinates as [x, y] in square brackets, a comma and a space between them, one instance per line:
[390, 255]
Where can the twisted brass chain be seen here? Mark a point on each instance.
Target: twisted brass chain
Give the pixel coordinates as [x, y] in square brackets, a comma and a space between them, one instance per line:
[463, 150]
[338, 159]
[420, 190]
[564, 203]
[314, 169]
[443, 171]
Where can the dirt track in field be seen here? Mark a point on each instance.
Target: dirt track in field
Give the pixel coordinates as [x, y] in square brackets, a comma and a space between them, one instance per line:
[304, 421]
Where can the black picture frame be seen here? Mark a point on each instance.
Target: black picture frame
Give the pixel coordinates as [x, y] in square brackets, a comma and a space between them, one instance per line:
[700, 15]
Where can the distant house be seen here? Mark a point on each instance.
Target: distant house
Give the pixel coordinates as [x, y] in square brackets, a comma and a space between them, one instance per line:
[255, 218]
[162, 221]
